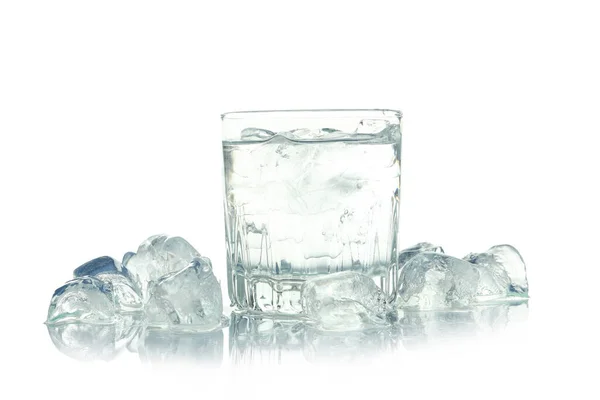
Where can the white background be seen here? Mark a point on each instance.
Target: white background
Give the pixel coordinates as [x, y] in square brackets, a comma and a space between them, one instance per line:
[110, 132]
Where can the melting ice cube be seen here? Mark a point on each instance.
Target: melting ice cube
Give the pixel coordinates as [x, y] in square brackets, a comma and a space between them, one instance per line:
[412, 251]
[432, 281]
[125, 293]
[372, 126]
[435, 281]
[158, 256]
[86, 299]
[345, 301]
[188, 298]
[506, 265]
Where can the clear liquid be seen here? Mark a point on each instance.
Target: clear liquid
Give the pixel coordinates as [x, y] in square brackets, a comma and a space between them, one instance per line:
[295, 209]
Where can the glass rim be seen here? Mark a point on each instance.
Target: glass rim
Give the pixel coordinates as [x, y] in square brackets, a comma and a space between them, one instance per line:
[315, 113]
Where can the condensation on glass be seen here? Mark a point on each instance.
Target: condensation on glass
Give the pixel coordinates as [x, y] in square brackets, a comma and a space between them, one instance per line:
[308, 193]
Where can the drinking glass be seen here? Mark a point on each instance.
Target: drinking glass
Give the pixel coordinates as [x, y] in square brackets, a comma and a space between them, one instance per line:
[306, 193]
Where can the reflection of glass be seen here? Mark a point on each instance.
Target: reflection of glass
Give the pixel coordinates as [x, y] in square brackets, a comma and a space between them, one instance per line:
[87, 342]
[261, 339]
[163, 346]
[420, 328]
[308, 193]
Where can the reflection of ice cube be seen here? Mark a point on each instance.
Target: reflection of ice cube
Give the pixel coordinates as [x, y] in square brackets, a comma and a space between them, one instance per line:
[422, 328]
[84, 342]
[163, 346]
[344, 301]
[91, 341]
[345, 347]
[188, 298]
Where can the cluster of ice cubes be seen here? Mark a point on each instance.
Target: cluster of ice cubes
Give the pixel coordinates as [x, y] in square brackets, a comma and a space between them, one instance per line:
[166, 283]
[428, 280]
[432, 280]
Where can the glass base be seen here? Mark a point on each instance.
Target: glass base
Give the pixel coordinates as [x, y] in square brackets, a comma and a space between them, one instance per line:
[280, 294]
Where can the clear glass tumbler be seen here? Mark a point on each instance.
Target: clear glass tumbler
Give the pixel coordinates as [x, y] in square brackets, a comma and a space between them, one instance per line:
[309, 192]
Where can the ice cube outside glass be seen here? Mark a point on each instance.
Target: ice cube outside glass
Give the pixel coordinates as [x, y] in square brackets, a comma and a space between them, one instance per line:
[306, 193]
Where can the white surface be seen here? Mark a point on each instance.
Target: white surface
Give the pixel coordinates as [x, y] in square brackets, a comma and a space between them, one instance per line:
[110, 132]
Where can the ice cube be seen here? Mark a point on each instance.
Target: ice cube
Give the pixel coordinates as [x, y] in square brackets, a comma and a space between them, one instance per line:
[412, 251]
[84, 299]
[100, 265]
[394, 133]
[345, 301]
[110, 271]
[307, 133]
[190, 298]
[157, 256]
[256, 134]
[431, 281]
[493, 280]
[371, 126]
[493, 283]
[126, 296]
[506, 263]
[126, 257]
